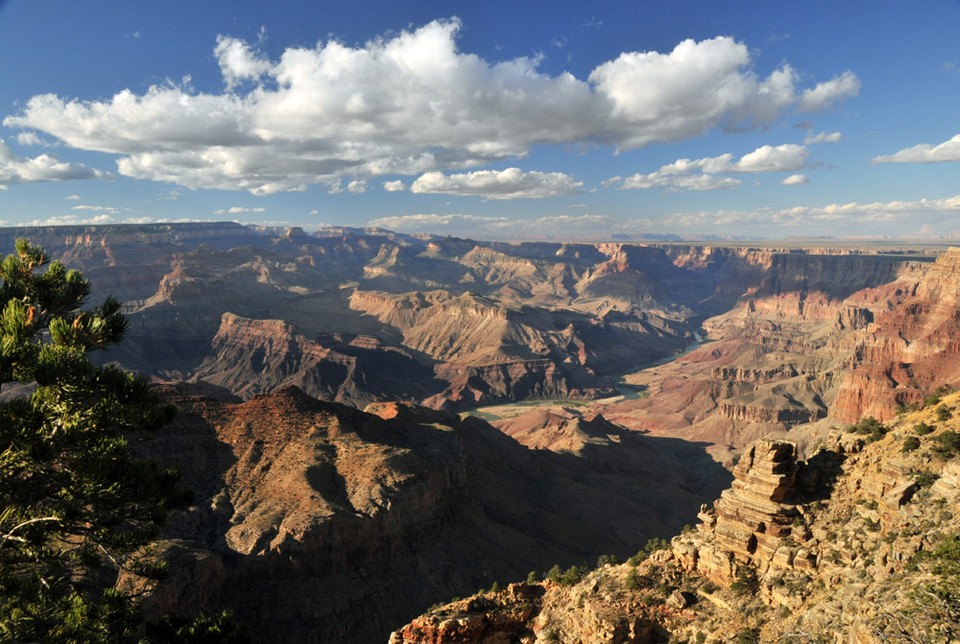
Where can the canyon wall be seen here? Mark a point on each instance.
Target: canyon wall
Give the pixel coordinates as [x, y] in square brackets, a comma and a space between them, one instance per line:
[315, 521]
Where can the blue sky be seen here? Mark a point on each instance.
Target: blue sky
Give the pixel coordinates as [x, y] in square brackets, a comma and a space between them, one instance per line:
[486, 119]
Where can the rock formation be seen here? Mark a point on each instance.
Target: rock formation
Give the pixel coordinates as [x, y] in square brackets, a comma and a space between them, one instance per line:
[856, 544]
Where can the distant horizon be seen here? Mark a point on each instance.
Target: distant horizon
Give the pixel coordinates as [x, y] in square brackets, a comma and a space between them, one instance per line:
[652, 238]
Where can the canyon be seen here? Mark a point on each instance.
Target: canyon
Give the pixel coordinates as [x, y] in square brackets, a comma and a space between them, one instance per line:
[328, 385]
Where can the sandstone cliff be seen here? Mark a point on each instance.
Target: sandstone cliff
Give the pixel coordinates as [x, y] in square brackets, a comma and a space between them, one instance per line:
[910, 349]
[777, 359]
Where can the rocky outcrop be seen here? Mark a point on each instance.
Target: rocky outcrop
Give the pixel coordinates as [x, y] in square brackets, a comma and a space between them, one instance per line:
[855, 544]
[752, 517]
[501, 616]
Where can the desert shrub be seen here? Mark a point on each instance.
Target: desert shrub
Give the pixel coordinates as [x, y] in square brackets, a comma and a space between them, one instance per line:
[924, 478]
[649, 548]
[746, 582]
[946, 444]
[554, 574]
[607, 559]
[922, 429]
[947, 556]
[870, 427]
[908, 407]
[931, 399]
[572, 575]
[222, 627]
[748, 636]
[943, 413]
[910, 443]
[637, 558]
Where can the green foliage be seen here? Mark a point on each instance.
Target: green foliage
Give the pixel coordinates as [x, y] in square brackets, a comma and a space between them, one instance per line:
[947, 556]
[908, 407]
[935, 614]
[554, 574]
[870, 427]
[924, 478]
[494, 587]
[568, 577]
[532, 577]
[603, 560]
[75, 507]
[931, 399]
[572, 575]
[910, 444]
[922, 429]
[748, 636]
[943, 413]
[649, 548]
[632, 582]
[746, 582]
[946, 444]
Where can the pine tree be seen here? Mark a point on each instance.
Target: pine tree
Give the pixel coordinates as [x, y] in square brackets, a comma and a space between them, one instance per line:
[75, 508]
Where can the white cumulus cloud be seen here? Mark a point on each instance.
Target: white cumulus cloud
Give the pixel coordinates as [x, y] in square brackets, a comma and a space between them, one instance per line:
[925, 153]
[512, 183]
[409, 104]
[357, 186]
[704, 174]
[14, 169]
[825, 94]
[393, 186]
[795, 180]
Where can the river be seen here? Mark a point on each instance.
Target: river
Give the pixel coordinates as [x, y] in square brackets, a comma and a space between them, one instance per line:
[626, 392]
